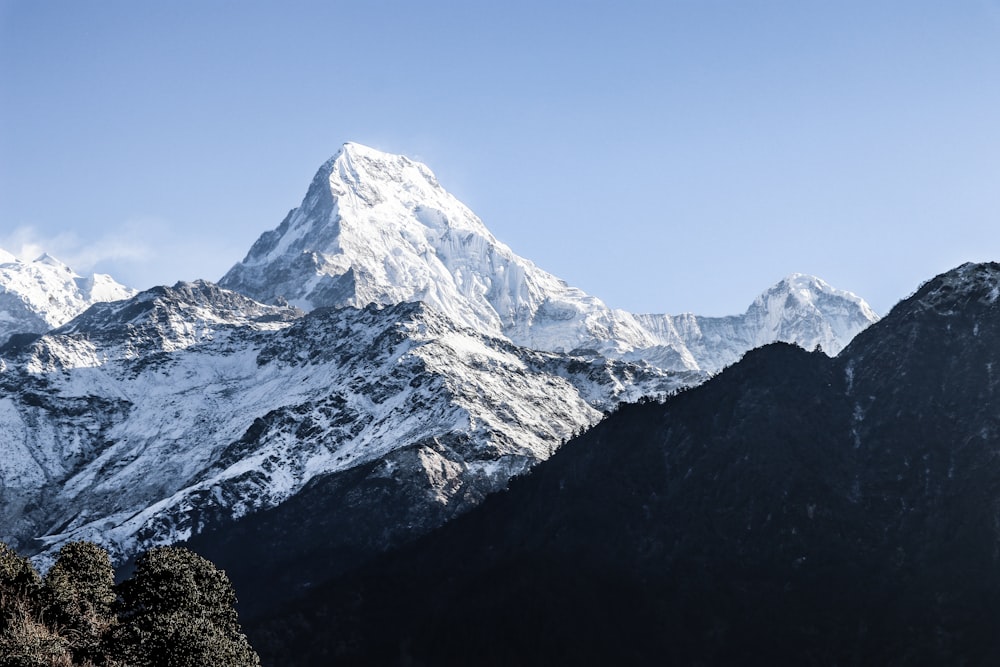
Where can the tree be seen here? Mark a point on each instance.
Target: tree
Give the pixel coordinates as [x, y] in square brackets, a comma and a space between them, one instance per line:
[178, 610]
[25, 640]
[79, 595]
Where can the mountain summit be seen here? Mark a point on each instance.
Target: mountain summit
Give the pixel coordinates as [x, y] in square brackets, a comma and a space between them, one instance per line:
[45, 293]
[376, 228]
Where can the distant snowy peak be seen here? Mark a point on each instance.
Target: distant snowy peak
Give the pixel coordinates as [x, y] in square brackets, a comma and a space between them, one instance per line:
[361, 194]
[813, 291]
[45, 293]
[806, 310]
[800, 309]
[376, 228]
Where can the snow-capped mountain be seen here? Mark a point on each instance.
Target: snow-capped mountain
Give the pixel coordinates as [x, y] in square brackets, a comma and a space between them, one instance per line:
[800, 309]
[45, 293]
[376, 228]
[144, 421]
[419, 354]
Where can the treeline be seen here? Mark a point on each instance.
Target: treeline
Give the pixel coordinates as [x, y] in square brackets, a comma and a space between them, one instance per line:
[177, 610]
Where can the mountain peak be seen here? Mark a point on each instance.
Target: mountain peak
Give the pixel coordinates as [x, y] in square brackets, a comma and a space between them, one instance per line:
[49, 260]
[171, 318]
[971, 277]
[354, 149]
[378, 228]
[803, 281]
[809, 289]
[45, 293]
[374, 185]
[361, 170]
[804, 309]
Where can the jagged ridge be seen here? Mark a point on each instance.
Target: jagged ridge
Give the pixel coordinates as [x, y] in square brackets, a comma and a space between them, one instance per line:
[142, 422]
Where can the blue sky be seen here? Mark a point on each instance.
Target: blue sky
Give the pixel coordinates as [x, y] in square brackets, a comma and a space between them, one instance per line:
[669, 156]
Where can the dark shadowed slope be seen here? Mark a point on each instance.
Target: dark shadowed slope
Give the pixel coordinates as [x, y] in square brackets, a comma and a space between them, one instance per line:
[796, 509]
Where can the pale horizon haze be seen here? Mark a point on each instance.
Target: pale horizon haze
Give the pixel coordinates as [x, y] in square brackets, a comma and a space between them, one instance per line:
[672, 156]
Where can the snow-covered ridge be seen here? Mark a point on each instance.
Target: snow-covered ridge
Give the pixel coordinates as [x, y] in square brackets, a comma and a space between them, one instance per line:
[376, 228]
[45, 293]
[799, 309]
[161, 319]
[142, 422]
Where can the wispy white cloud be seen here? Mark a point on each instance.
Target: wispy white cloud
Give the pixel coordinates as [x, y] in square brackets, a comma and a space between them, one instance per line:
[140, 253]
[82, 255]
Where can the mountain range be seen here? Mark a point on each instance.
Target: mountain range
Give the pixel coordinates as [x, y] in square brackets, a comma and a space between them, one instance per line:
[375, 228]
[377, 365]
[794, 509]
